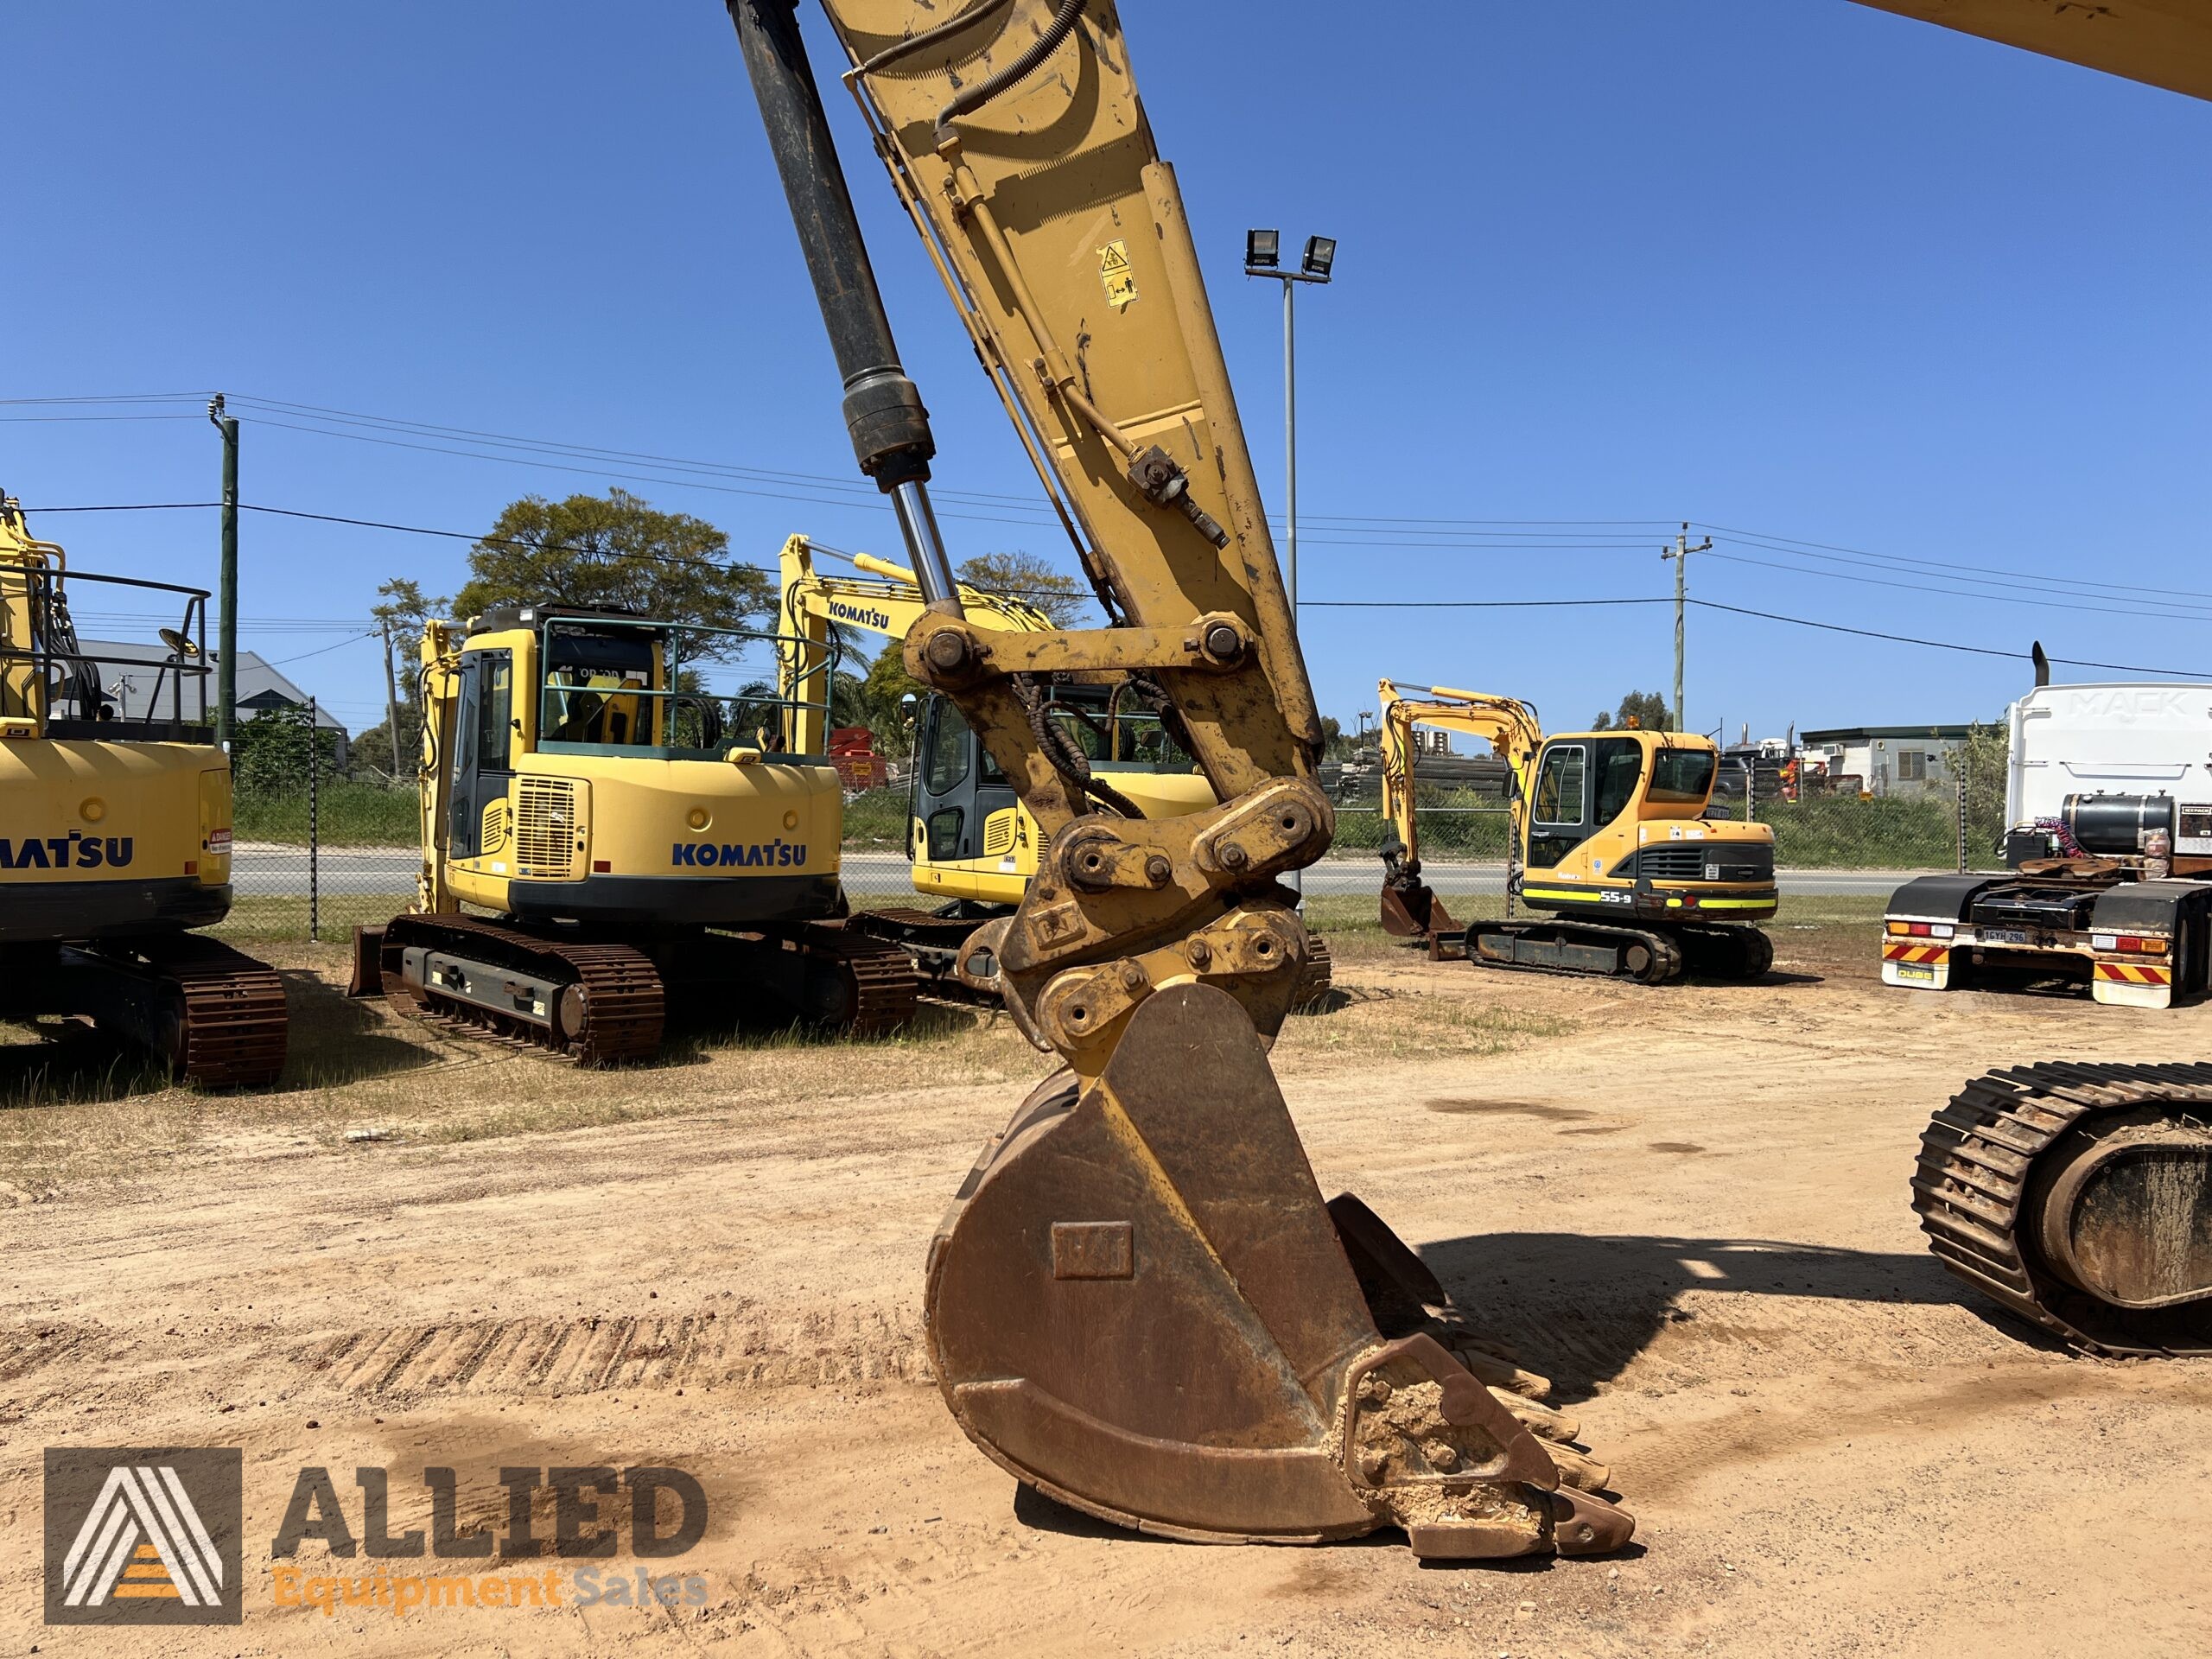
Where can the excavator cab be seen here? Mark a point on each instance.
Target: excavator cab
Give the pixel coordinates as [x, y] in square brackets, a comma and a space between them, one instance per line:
[971, 839]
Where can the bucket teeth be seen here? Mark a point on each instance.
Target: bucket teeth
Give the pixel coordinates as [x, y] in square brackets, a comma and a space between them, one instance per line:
[1583, 1473]
[1497, 1373]
[1541, 1420]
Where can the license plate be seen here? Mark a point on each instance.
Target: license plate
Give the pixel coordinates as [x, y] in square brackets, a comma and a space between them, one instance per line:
[1914, 970]
[2001, 935]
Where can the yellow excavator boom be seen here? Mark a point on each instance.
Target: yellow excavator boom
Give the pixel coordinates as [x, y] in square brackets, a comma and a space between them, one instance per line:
[2160, 42]
[1140, 1304]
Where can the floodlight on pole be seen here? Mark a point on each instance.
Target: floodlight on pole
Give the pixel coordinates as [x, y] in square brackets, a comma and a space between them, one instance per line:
[1262, 257]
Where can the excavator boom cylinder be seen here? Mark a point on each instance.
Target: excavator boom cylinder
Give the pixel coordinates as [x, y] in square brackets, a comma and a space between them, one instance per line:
[883, 416]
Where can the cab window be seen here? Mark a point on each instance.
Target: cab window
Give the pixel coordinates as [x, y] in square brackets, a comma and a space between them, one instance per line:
[1619, 764]
[1562, 785]
[946, 766]
[593, 683]
[495, 710]
[1683, 777]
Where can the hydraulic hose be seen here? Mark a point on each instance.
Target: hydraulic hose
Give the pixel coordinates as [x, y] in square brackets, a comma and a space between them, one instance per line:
[974, 97]
[930, 37]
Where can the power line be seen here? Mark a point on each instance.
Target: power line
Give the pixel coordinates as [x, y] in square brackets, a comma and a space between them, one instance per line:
[354, 417]
[1735, 610]
[1791, 544]
[1942, 645]
[2063, 602]
[1462, 604]
[368, 634]
[130, 506]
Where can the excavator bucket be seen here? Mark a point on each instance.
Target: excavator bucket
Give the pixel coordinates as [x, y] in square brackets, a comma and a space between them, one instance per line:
[1140, 1306]
[367, 978]
[1411, 910]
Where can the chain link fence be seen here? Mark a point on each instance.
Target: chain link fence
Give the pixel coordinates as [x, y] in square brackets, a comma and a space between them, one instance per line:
[320, 845]
[317, 844]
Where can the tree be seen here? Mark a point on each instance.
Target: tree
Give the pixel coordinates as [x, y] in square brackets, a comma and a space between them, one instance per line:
[1649, 709]
[403, 613]
[270, 753]
[1337, 744]
[1062, 597]
[884, 693]
[1982, 764]
[617, 550]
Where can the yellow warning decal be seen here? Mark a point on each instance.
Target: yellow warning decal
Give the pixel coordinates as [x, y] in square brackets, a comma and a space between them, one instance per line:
[1120, 282]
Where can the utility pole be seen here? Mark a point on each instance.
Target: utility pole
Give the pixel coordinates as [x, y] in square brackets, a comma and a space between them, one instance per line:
[391, 700]
[226, 615]
[1679, 553]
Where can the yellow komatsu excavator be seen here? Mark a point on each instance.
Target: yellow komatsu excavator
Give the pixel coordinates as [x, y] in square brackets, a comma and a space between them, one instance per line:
[644, 848]
[1612, 837]
[971, 842]
[115, 828]
[1140, 1304]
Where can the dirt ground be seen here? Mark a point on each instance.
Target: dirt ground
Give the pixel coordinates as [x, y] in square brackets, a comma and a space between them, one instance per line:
[1687, 1206]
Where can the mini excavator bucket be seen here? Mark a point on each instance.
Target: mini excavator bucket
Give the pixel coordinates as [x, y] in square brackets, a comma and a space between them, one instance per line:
[1411, 910]
[1139, 1305]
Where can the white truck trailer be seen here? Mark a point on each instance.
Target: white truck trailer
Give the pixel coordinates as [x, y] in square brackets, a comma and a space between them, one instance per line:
[2108, 801]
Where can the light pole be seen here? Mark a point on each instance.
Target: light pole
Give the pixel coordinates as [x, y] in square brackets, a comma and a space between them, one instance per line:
[1262, 251]
[1262, 257]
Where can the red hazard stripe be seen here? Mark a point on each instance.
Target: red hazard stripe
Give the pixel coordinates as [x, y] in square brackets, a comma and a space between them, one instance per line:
[2131, 973]
[1903, 952]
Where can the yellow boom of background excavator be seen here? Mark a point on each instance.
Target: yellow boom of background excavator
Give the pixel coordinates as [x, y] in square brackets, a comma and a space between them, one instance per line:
[971, 844]
[1612, 838]
[115, 830]
[644, 846]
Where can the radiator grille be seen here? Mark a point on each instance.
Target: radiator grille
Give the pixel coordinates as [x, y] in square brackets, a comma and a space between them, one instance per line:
[548, 829]
[998, 833]
[1689, 861]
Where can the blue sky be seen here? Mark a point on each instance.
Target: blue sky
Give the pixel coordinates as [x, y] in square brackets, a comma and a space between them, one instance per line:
[1795, 268]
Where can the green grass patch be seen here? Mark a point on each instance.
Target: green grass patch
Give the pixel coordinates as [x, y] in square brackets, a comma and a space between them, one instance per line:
[876, 817]
[347, 814]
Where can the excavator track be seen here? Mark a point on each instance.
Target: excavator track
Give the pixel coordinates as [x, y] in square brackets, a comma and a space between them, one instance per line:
[1579, 948]
[875, 984]
[224, 1026]
[2079, 1196]
[612, 1006]
[1318, 974]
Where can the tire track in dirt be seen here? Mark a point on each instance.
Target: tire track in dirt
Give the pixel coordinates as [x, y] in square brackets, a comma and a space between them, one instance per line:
[742, 1349]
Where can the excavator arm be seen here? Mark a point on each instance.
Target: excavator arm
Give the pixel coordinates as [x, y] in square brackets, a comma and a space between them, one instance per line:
[1140, 1304]
[2161, 42]
[1410, 909]
[1509, 726]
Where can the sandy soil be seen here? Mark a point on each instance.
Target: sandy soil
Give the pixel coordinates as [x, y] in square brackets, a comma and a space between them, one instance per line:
[1688, 1207]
